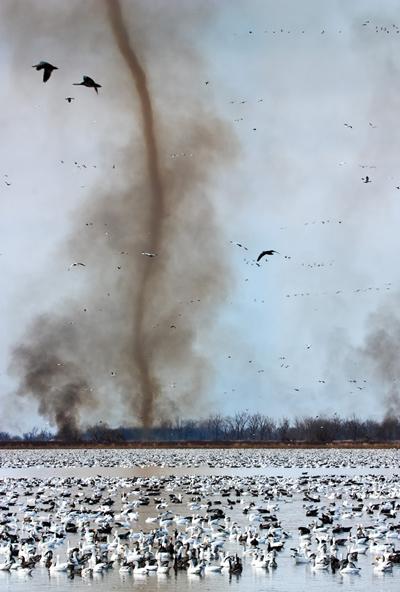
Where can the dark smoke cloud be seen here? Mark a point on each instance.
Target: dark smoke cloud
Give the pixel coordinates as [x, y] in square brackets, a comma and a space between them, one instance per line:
[138, 344]
[48, 373]
[381, 354]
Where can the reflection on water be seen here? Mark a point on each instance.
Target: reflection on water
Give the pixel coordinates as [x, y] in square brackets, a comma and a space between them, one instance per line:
[286, 578]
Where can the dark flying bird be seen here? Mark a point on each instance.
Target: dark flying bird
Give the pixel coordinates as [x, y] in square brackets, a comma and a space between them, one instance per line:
[47, 69]
[366, 179]
[89, 82]
[264, 253]
[69, 99]
[76, 264]
[242, 246]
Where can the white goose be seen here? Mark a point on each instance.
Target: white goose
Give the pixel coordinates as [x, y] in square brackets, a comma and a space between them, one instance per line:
[195, 568]
[5, 566]
[58, 567]
[383, 565]
[350, 568]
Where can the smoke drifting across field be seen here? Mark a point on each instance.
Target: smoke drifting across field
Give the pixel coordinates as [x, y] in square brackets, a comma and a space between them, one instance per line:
[380, 352]
[138, 344]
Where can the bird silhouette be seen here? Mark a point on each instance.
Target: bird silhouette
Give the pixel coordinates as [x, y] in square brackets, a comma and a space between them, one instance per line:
[76, 264]
[89, 82]
[47, 69]
[264, 253]
[69, 99]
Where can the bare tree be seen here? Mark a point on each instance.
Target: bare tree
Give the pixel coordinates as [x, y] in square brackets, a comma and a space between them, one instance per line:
[283, 429]
[238, 423]
[5, 436]
[215, 424]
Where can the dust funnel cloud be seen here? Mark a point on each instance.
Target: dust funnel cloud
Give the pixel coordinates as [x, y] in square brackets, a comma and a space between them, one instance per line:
[147, 384]
[133, 335]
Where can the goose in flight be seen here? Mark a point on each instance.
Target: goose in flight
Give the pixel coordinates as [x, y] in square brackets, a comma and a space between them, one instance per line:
[264, 253]
[89, 82]
[47, 69]
[76, 264]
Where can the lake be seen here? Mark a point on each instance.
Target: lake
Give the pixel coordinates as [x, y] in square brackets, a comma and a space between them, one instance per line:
[352, 484]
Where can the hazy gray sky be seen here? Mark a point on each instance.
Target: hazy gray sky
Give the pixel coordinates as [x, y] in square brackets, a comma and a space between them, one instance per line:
[286, 76]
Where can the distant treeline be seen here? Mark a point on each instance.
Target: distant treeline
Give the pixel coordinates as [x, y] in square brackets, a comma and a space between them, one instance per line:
[242, 426]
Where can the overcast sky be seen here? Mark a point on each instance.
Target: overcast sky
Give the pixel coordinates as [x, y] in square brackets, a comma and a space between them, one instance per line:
[311, 92]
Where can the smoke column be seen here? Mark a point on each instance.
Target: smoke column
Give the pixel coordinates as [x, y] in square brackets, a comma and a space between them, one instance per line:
[156, 208]
[380, 355]
[59, 385]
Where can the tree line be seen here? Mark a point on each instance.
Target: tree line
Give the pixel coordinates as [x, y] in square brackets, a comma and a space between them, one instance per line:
[241, 426]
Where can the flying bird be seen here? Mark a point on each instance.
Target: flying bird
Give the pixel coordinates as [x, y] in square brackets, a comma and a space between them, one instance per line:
[89, 82]
[76, 264]
[69, 99]
[241, 246]
[149, 254]
[366, 179]
[47, 69]
[264, 253]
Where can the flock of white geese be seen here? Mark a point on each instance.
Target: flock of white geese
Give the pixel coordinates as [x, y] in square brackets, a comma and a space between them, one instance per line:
[224, 458]
[199, 524]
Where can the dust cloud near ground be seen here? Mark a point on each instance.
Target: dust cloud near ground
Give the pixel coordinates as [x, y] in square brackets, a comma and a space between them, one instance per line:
[144, 313]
